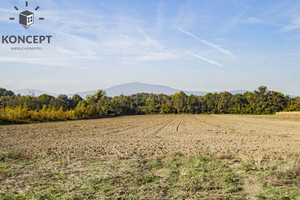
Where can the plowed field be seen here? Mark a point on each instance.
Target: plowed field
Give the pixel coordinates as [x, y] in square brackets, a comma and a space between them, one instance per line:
[246, 137]
[153, 157]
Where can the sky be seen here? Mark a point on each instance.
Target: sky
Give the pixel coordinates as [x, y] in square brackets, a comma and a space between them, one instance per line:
[197, 45]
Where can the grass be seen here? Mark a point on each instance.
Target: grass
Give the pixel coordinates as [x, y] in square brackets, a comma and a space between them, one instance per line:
[177, 177]
[279, 193]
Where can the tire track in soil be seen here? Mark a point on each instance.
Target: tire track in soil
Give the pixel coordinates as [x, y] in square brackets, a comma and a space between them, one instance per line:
[164, 126]
[145, 142]
[145, 129]
[215, 124]
[134, 125]
[129, 141]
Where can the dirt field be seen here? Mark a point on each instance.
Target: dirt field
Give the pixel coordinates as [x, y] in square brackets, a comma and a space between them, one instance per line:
[259, 137]
[152, 136]
[289, 114]
[153, 157]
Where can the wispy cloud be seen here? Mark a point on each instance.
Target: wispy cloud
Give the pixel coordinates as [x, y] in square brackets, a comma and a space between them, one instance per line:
[110, 36]
[294, 25]
[113, 37]
[217, 47]
[230, 24]
[254, 20]
[6, 13]
[41, 61]
[160, 19]
[158, 56]
[205, 59]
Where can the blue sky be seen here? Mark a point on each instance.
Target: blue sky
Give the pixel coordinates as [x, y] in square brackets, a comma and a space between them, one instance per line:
[210, 45]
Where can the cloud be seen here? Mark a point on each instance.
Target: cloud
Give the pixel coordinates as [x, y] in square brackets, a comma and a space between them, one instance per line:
[158, 57]
[217, 47]
[294, 25]
[103, 37]
[254, 20]
[230, 24]
[41, 61]
[205, 59]
[79, 37]
[6, 13]
[160, 19]
[148, 40]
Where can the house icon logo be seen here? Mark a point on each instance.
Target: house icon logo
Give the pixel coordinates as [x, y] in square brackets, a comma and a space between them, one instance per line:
[26, 18]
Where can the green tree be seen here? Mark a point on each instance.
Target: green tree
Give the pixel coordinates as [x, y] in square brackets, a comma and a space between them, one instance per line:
[95, 97]
[80, 110]
[211, 102]
[45, 99]
[179, 101]
[64, 102]
[239, 104]
[224, 102]
[75, 100]
[4, 92]
[151, 106]
[193, 104]
[167, 109]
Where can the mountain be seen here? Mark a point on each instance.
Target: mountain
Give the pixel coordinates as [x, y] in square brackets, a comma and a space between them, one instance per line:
[126, 89]
[34, 92]
[134, 88]
[233, 92]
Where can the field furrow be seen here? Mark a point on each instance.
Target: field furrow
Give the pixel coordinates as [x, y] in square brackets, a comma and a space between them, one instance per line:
[263, 137]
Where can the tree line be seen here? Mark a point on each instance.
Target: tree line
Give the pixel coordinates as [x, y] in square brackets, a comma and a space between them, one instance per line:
[17, 108]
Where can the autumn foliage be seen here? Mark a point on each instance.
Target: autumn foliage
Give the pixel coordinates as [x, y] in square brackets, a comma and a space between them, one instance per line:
[19, 109]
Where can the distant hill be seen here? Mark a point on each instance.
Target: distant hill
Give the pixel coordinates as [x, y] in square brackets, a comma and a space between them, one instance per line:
[33, 92]
[126, 89]
[135, 87]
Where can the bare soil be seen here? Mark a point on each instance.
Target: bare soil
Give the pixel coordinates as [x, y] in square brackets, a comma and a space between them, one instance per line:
[154, 136]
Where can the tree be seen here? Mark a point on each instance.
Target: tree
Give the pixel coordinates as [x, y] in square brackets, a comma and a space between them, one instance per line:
[125, 104]
[45, 99]
[80, 110]
[261, 91]
[115, 107]
[193, 104]
[211, 102]
[95, 97]
[103, 106]
[64, 101]
[75, 100]
[151, 106]
[224, 102]
[167, 109]
[239, 104]
[4, 92]
[179, 101]
[46, 107]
